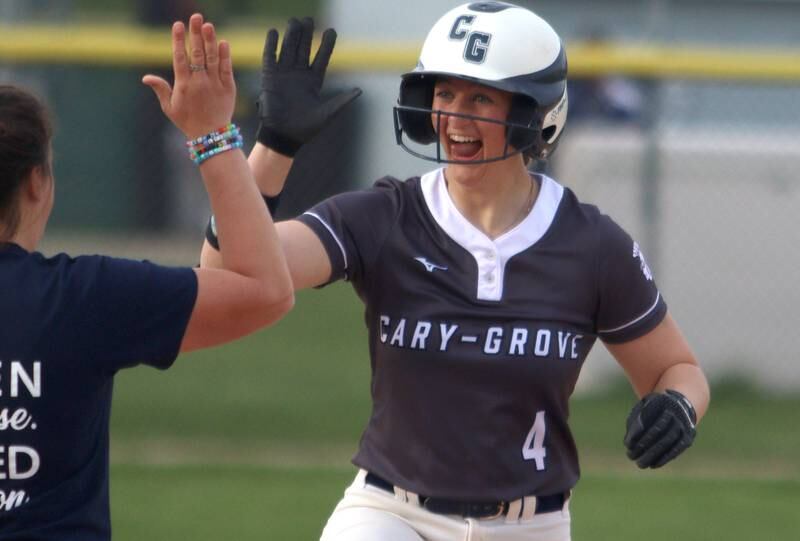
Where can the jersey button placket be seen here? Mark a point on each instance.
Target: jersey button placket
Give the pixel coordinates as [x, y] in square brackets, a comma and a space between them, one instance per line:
[488, 271]
[490, 275]
[491, 268]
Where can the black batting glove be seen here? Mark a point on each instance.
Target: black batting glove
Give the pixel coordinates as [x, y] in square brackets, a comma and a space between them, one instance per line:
[660, 427]
[290, 108]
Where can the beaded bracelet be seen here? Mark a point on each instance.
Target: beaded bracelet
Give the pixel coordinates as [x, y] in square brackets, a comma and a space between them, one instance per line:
[228, 132]
[206, 146]
[199, 158]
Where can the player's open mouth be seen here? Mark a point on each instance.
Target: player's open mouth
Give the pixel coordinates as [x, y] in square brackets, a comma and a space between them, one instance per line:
[463, 147]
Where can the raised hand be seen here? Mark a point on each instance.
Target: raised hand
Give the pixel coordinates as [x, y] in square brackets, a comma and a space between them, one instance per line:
[290, 107]
[204, 94]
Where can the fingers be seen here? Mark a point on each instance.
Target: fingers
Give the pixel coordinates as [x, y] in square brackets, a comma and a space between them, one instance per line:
[270, 47]
[324, 52]
[226, 65]
[210, 48]
[304, 47]
[651, 434]
[680, 446]
[197, 55]
[634, 427]
[291, 41]
[180, 65]
[634, 432]
[657, 449]
[161, 89]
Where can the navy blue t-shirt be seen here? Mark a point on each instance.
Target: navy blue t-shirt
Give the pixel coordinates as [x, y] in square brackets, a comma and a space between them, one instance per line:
[66, 326]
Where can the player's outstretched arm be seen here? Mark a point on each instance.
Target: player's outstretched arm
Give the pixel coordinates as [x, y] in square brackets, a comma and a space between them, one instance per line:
[253, 287]
[292, 112]
[674, 394]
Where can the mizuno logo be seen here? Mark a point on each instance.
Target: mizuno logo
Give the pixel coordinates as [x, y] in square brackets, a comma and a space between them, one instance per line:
[430, 267]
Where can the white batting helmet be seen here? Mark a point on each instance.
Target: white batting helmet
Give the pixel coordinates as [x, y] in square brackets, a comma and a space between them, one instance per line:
[499, 45]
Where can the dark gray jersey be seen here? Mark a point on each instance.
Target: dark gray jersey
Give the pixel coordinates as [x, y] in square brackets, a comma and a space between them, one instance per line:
[475, 343]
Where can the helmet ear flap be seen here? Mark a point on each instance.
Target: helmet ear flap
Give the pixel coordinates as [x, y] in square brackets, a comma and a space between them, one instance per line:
[417, 92]
[525, 112]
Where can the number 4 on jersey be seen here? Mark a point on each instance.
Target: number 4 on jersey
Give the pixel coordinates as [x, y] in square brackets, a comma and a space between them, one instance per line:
[533, 449]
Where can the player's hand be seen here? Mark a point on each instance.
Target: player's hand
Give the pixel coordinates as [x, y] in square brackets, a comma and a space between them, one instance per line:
[291, 110]
[660, 427]
[204, 95]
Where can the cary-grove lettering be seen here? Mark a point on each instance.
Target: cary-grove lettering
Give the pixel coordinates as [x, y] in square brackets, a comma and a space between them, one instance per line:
[497, 340]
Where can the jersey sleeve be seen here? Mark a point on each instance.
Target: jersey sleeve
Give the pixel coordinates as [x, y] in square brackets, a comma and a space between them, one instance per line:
[353, 227]
[127, 312]
[630, 304]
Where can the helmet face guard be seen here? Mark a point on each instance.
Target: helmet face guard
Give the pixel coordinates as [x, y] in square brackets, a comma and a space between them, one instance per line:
[497, 45]
[403, 115]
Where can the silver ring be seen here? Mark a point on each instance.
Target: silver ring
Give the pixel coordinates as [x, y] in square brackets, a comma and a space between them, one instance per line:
[196, 67]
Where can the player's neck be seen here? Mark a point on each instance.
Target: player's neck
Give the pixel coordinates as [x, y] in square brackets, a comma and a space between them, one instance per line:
[494, 202]
[31, 226]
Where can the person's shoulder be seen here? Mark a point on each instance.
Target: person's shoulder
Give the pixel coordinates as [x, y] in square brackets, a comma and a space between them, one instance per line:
[91, 271]
[62, 263]
[65, 278]
[382, 201]
[394, 184]
[576, 209]
[588, 221]
[397, 192]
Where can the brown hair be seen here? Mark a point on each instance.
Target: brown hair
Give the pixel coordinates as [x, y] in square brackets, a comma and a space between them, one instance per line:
[25, 133]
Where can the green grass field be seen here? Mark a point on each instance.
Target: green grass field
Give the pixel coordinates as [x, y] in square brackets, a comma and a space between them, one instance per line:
[252, 441]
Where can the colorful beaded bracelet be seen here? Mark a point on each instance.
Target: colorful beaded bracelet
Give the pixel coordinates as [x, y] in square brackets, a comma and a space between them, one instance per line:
[216, 133]
[196, 151]
[212, 139]
[204, 147]
[201, 157]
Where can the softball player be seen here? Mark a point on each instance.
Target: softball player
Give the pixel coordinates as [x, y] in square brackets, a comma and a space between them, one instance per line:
[68, 324]
[485, 287]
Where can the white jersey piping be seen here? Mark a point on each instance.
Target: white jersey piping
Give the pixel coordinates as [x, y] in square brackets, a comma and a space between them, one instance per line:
[633, 321]
[338, 242]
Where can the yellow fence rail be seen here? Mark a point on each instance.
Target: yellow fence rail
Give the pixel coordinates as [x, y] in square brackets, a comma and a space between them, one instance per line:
[131, 46]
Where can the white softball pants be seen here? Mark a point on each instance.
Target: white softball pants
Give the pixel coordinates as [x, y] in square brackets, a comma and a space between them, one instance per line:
[368, 513]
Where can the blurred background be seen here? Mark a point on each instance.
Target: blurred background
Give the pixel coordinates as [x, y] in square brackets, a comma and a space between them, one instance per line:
[683, 126]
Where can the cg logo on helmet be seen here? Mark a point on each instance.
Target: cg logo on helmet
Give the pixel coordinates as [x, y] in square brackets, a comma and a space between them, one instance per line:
[477, 42]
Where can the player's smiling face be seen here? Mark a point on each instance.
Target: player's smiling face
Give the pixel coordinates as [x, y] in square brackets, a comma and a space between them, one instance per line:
[466, 139]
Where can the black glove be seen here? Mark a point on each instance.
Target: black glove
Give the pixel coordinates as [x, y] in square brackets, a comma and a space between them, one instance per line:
[290, 108]
[660, 427]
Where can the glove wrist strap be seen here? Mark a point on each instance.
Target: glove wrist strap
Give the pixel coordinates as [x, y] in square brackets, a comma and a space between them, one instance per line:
[272, 202]
[278, 143]
[684, 402]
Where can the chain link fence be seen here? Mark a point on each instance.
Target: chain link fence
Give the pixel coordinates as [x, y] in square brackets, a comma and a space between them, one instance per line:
[704, 173]
[707, 177]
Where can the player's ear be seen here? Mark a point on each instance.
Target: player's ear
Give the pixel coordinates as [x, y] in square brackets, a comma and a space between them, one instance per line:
[38, 184]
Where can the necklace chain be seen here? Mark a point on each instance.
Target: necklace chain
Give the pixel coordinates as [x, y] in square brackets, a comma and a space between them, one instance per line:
[528, 204]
